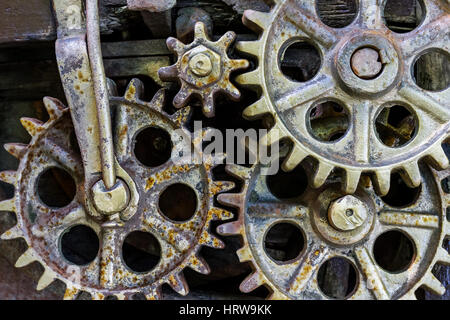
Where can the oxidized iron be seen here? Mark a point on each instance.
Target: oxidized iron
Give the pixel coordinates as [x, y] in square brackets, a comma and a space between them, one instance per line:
[363, 90]
[203, 69]
[108, 275]
[316, 213]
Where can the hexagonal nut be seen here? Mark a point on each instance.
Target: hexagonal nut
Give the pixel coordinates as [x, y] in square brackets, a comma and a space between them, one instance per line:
[110, 201]
[201, 67]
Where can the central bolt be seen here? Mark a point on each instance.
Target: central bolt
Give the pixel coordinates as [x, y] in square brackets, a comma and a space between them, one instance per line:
[347, 213]
[200, 65]
[366, 63]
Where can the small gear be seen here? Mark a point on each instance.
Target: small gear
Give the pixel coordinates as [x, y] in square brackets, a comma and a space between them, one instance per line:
[109, 274]
[336, 225]
[365, 68]
[203, 69]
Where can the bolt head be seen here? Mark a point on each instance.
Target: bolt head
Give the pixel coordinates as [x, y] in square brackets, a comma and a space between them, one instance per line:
[201, 67]
[110, 201]
[347, 213]
[366, 63]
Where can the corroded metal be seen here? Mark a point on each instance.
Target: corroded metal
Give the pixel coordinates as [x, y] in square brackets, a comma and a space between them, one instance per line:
[203, 69]
[359, 149]
[42, 226]
[424, 222]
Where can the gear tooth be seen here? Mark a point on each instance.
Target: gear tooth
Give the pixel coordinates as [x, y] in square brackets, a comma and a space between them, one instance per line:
[178, 284]
[54, 107]
[230, 228]
[208, 106]
[181, 98]
[439, 158]
[412, 175]
[158, 100]
[71, 293]
[7, 205]
[351, 181]
[433, 284]
[16, 149]
[233, 92]
[26, 258]
[199, 265]
[169, 73]
[230, 199]
[294, 158]
[322, 174]
[249, 79]
[45, 280]
[33, 126]
[175, 46]
[12, 233]
[244, 254]
[252, 282]
[211, 241]
[443, 257]
[219, 214]
[221, 186]
[9, 177]
[200, 30]
[238, 171]
[153, 294]
[134, 90]
[249, 47]
[112, 87]
[382, 181]
[274, 135]
[256, 110]
[226, 40]
[256, 20]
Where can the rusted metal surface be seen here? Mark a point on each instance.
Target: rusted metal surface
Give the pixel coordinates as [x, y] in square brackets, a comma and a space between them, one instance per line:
[423, 221]
[204, 84]
[359, 149]
[151, 5]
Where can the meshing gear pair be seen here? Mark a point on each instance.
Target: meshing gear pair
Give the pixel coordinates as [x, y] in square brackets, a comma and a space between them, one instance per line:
[43, 226]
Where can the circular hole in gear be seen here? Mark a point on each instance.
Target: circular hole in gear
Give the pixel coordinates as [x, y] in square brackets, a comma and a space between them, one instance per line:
[141, 251]
[178, 202]
[56, 187]
[400, 195]
[328, 121]
[284, 242]
[394, 251]
[287, 185]
[432, 70]
[348, 8]
[395, 126]
[337, 278]
[296, 69]
[80, 245]
[153, 146]
[401, 17]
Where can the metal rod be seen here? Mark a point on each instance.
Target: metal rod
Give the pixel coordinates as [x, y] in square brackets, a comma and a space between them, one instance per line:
[101, 93]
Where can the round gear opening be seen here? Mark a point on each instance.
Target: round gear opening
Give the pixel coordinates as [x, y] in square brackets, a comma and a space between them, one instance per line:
[437, 60]
[153, 146]
[401, 18]
[80, 245]
[328, 121]
[337, 278]
[56, 187]
[284, 242]
[396, 126]
[292, 67]
[394, 251]
[141, 251]
[178, 202]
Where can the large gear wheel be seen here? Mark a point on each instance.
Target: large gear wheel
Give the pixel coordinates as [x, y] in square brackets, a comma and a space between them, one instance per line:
[329, 231]
[203, 69]
[43, 226]
[365, 68]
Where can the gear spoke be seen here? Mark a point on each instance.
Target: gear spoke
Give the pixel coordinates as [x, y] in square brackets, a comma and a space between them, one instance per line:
[361, 130]
[409, 219]
[309, 23]
[370, 14]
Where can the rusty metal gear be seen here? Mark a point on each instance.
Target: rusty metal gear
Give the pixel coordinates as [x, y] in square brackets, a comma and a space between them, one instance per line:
[350, 75]
[328, 233]
[203, 69]
[107, 274]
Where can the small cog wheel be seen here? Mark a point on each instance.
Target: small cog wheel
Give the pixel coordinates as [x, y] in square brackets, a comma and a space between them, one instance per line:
[177, 239]
[367, 70]
[203, 69]
[330, 225]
